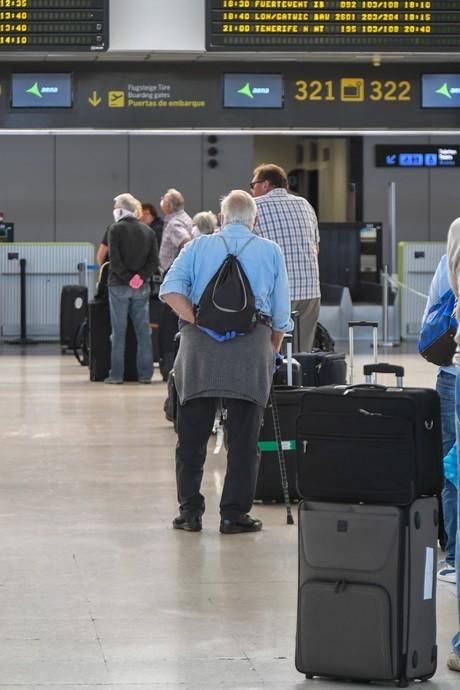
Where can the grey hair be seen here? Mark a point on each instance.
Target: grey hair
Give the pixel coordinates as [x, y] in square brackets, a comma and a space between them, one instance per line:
[128, 202]
[175, 200]
[239, 207]
[206, 222]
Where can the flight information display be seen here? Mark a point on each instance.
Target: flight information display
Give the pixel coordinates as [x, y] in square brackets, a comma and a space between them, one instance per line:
[333, 25]
[54, 25]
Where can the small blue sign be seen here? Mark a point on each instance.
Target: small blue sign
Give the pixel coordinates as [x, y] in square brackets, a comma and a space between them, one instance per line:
[411, 160]
[431, 160]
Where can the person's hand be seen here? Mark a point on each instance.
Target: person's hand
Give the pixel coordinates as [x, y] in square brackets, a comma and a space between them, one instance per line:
[136, 281]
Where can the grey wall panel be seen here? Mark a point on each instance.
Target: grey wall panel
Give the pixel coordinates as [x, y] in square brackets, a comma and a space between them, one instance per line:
[171, 25]
[412, 194]
[235, 158]
[157, 163]
[27, 186]
[90, 171]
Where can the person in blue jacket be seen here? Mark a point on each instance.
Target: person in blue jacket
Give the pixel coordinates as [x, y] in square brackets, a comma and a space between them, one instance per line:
[445, 385]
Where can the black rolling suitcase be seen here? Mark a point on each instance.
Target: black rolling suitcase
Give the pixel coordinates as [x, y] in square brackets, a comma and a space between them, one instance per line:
[269, 488]
[99, 344]
[322, 368]
[73, 311]
[367, 591]
[287, 399]
[369, 443]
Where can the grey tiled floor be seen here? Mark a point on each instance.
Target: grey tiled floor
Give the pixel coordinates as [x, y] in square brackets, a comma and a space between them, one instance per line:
[96, 589]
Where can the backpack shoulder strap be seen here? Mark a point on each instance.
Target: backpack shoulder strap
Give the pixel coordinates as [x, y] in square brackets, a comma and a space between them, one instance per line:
[242, 248]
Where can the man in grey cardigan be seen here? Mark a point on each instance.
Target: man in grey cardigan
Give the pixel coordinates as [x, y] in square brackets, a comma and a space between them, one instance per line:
[238, 368]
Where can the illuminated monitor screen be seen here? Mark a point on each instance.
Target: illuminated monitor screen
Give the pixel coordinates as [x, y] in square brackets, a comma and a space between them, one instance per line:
[41, 91]
[440, 90]
[325, 25]
[253, 91]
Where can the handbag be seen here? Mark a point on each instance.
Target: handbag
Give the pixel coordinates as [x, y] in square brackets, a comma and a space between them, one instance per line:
[437, 336]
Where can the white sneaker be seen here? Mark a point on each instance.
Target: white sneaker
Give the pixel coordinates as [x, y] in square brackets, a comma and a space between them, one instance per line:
[453, 662]
[447, 573]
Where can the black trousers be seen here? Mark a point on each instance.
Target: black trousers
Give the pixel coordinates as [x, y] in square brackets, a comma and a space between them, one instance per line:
[195, 422]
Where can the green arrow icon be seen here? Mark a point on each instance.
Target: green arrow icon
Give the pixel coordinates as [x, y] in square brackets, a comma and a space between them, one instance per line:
[35, 90]
[444, 90]
[246, 91]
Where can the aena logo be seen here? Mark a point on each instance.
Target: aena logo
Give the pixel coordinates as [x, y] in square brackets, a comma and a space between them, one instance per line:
[447, 91]
[246, 90]
[35, 90]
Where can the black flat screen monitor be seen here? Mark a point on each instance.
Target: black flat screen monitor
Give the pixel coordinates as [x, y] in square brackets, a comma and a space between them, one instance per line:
[41, 91]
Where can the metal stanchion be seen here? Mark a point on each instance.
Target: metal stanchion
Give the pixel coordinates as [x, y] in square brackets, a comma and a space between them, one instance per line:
[23, 339]
[387, 342]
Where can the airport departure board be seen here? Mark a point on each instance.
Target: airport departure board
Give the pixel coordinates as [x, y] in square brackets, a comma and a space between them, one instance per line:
[54, 25]
[334, 25]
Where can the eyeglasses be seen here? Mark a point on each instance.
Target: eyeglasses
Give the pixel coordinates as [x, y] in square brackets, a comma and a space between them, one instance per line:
[253, 184]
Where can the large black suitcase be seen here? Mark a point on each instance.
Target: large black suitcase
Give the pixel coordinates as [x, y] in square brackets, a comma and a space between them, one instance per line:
[369, 443]
[99, 344]
[322, 368]
[367, 591]
[74, 309]
[269, 488]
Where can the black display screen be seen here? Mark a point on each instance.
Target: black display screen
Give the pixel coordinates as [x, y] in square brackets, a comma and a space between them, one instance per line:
[440, 90]
[253, 91]
[41, 91]
[54, 25]
[338, 25]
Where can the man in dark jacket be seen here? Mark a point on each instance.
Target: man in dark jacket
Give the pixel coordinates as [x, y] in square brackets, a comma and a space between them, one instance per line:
[133, 260]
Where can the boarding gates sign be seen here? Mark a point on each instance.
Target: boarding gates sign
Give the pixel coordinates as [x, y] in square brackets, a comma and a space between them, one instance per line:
[276, 95]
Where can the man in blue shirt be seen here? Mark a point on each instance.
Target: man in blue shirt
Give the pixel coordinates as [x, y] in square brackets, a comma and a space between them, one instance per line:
[238, 370]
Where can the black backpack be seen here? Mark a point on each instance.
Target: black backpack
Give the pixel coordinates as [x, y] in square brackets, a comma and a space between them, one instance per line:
[228, 303]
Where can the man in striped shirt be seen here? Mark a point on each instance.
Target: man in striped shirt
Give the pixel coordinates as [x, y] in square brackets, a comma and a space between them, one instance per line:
[291, 222]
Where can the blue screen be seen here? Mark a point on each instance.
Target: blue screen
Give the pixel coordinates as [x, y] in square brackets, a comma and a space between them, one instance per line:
[41, 91]
[253, 91]
[440, 90]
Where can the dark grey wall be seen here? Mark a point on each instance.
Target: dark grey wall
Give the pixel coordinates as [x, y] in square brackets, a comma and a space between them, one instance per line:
[60, 188]
[427, 200]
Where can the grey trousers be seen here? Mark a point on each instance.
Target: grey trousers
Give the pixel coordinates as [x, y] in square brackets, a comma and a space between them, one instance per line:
[308, 317]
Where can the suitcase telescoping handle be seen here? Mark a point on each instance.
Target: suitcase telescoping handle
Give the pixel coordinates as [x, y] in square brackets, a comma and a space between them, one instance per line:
[295, 316]
[361, 324]
[384, 368]
[288, 339]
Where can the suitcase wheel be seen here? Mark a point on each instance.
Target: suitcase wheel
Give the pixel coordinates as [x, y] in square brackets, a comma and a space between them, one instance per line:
[403, 683]
[309, 676]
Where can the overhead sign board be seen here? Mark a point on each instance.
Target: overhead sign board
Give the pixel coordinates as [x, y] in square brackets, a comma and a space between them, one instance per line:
[333, 25]
[54, 25]
[417, 156]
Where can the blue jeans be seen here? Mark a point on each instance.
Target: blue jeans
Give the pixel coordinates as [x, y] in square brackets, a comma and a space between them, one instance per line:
[445, 385]
[126, 300]
[456, 638]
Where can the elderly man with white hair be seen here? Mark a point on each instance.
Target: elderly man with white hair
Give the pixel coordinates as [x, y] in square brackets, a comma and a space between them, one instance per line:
[238, 370]
[177, 228]
[133, 260]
